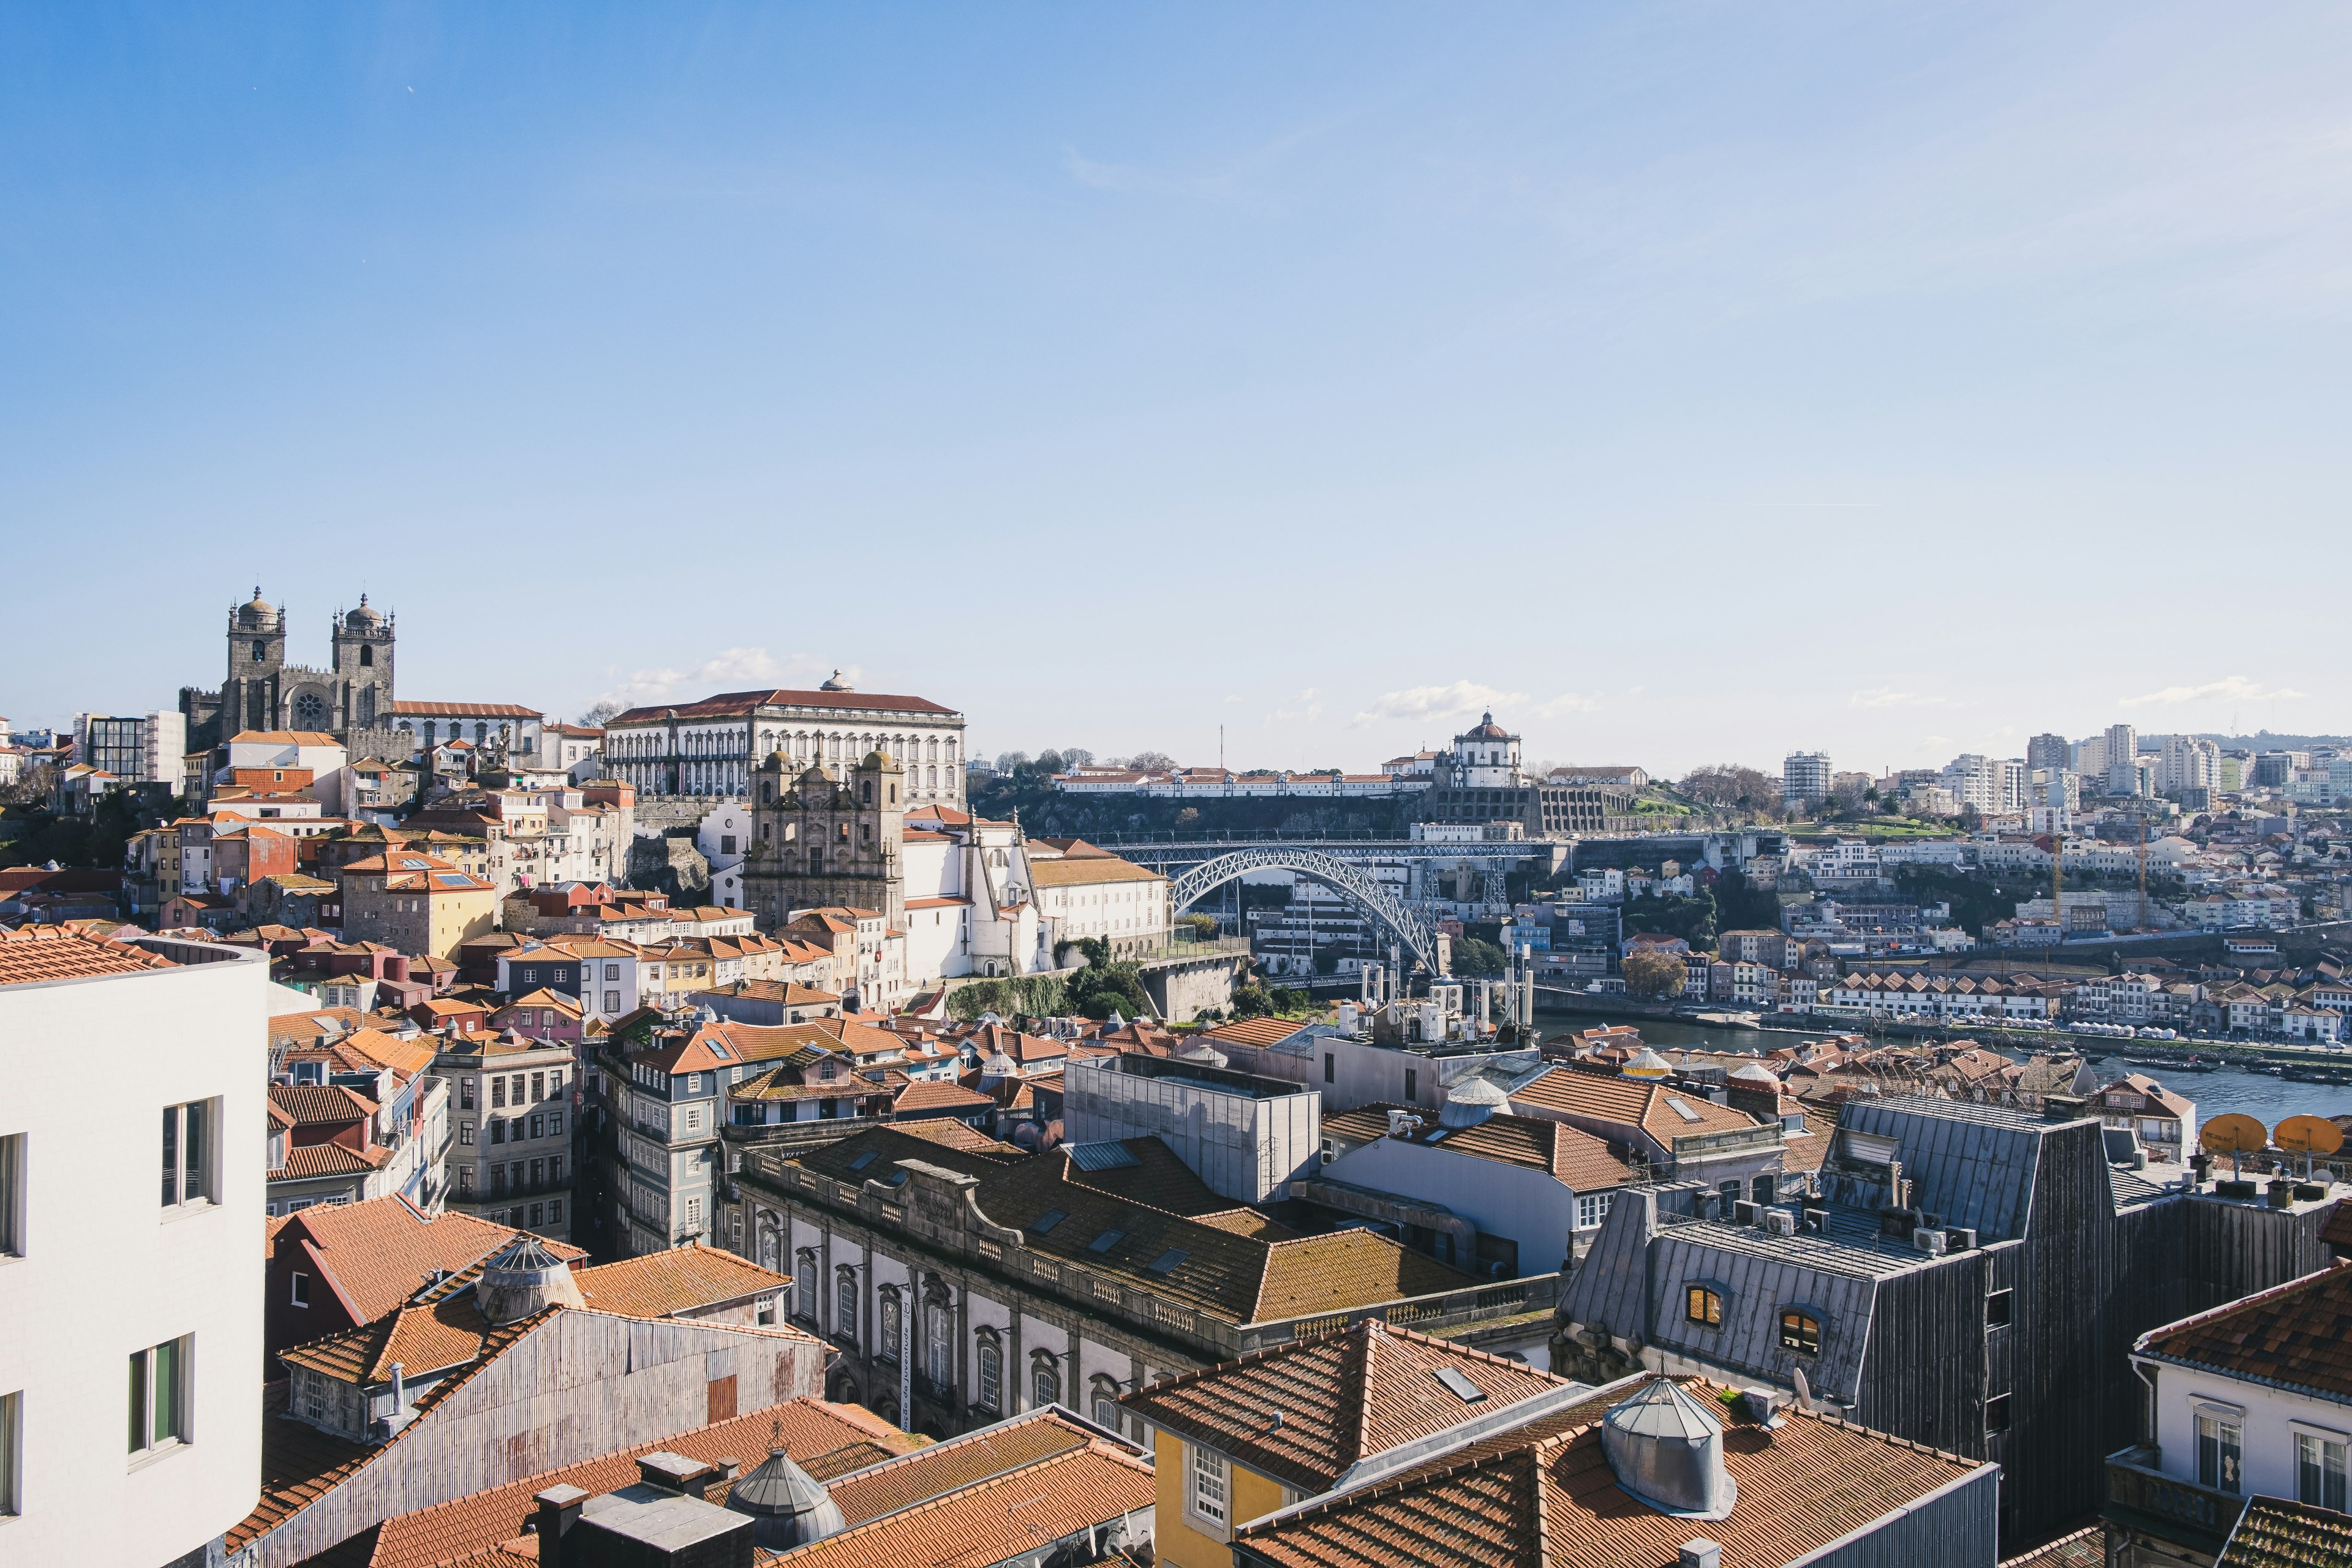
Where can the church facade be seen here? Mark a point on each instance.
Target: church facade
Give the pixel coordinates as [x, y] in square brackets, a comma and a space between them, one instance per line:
[259, 691]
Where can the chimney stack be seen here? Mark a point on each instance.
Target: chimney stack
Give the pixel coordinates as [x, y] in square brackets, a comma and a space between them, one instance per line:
[558, 1511]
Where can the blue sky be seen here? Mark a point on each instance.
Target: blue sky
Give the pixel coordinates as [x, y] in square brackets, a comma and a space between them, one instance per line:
[1693, 383]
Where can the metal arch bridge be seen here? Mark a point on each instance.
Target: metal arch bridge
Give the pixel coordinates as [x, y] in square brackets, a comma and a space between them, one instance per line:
[1349, 881]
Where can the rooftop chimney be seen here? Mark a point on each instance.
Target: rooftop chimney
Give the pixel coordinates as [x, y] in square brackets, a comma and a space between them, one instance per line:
[675, 1472]
[558, 1511]
[1698, 1551]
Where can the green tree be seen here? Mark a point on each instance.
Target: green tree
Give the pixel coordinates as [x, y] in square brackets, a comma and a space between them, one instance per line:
[1654, 976]
[1475, 956]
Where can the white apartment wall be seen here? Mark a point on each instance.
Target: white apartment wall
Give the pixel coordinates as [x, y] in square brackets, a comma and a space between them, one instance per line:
[2271, 1419]
[1247, 1149]
[107, 1271]
[1532, 1208]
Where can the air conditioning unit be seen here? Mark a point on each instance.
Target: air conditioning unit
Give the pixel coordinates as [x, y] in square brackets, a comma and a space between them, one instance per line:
[1930, 1242]
[1959, 1237]
[1778, 1222]
[1817, 1221]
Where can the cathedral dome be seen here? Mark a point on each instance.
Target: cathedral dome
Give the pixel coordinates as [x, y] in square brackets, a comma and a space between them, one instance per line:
[257, 613]
[1487, 730]
[363, 618]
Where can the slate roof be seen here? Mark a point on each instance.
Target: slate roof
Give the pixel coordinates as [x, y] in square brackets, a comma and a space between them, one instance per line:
[2275, 1533]
[1122, 1222]
[30, 954]
[1306, 1412]
[1545, 1498]
[2297, 1335]
[680, 1280]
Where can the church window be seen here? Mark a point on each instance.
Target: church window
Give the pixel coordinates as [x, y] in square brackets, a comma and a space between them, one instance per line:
[260, 652]
[367, 654]
[816, 862]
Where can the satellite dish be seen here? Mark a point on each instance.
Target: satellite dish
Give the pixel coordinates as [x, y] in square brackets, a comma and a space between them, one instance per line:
[1805, 1390]
[2236, 1133]
[2309, 1135]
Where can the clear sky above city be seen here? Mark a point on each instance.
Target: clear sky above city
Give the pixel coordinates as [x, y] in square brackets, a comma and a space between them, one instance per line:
[1688, 383]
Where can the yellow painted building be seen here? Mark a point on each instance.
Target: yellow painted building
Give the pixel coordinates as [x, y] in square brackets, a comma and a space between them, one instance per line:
[1193, 1484]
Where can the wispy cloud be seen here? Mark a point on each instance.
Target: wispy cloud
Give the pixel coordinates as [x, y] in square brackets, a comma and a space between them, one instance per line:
[1437, 701]
[730, 668]
[1566, 702]
[1886, 697]
[1307, 708]
[2236, 687]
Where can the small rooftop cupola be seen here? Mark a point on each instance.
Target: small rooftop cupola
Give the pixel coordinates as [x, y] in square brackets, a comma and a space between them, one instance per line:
[523, 1277]
[837, 684]
[1204, 1054]
[1471, 1102]
[789, 1507]
[1667, 1452]
[1758, 1074]
[1647, 1063]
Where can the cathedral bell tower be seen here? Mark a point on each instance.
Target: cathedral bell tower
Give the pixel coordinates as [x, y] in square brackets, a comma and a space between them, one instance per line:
[363, 668]
[257, 663]
[817, 842]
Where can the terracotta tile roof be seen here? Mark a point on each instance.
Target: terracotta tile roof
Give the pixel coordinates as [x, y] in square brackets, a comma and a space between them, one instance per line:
[947, 1132]
[1056, 1496]
[312, 1104]
[1631, 1103]
[1341, 1398]
[459, 709]
[1248, 1221]
[2297, 1335]
[33, 954]
[1084, 871]
[421, 1338]
[1576, 1158]
[682, 1280]
[2275, 1533]
[2337, 1231]
[825, 1440]
[931, 1094]
[329, 1160]
[1546, 1498]
[914, 1477]
[380, 1253]
[1256, 1031]
[2085, 1548]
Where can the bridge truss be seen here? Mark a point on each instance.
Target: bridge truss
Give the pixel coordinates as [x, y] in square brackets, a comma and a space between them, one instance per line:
[1367, 895]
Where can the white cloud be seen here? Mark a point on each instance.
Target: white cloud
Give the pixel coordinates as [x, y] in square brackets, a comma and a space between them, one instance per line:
[1308, 710]
[1437, 701]
[1886, 696]
[2236, 687]
[734, 669]
[1566, 702]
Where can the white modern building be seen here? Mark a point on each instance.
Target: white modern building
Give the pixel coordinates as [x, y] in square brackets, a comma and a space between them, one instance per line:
[1805, 778]
[2122, 754]
[130, 1277]
[1247, 1136]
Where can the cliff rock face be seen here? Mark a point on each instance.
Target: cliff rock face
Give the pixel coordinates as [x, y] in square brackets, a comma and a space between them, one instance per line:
[670, 863]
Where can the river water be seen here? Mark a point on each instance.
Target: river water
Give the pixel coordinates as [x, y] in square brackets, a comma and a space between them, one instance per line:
[2230, 1089]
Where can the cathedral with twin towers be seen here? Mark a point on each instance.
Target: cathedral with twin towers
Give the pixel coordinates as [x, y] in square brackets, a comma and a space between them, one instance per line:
[259, 691]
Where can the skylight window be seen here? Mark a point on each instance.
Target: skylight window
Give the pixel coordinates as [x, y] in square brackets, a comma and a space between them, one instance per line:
[865, 1159]
[1167, 1261]
[1461, 1387]
[453, 878]
[1682, 1108]
[1106, 1241]
[1047, 1221]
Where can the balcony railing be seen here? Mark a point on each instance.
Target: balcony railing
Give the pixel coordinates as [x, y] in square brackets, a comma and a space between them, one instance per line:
[2141, 1497]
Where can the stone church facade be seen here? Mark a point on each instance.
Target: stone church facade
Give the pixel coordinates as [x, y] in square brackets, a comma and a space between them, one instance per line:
[818, 842]
[259, 691]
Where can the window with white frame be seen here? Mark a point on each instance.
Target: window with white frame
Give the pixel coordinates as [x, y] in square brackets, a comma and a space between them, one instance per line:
[938, 1347]
[187, 1150]
[845, 1304]
[991, 1363]
[2221, 1439]
[1591, 1208]
[159, 1396]
[2319, 1469]
[1209, 1481]
[1044, 1383]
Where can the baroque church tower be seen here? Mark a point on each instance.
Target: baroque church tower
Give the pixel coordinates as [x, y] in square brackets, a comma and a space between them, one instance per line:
[259, 691]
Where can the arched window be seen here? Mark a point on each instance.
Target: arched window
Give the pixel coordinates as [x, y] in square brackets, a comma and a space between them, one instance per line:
[804, 1285]
[768, 1243]
[1703, 1304]
[844, 1304]
[367, 654]
[1801, 1331]
[939, 1345]
[890, 1320]
[1044, 1383]
[260, 652]
[991, 1362]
